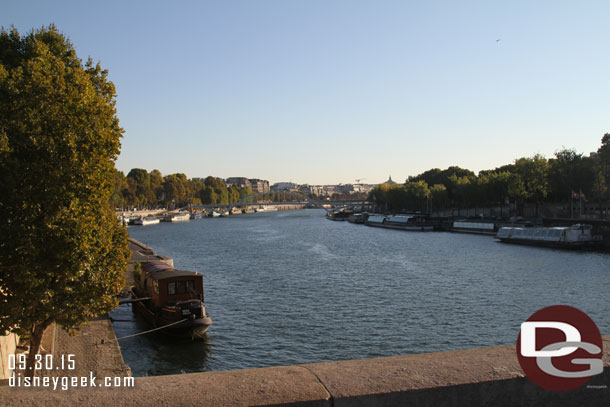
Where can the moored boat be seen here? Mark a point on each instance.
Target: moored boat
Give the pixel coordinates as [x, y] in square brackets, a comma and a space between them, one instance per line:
[339, 214]
[171, 299]
[375, 220]
[358, 218]
[418, 223]
[177, 217]
[575, 236]
[146, 220]
[415, 223]
[132, 219]
[465, 226]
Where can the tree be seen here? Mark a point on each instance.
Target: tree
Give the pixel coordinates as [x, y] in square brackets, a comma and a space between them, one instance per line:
[438, 196]
[562, 174]
[604, 149]
[119, 184]
[176, 189]
[604, 162]
[244, 192]
[145, 195]
[62, 250]
[533, 175]
[416, 193]
[156, 184]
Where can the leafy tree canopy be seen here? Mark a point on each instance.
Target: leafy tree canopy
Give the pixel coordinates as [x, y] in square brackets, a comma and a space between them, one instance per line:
[62, 251]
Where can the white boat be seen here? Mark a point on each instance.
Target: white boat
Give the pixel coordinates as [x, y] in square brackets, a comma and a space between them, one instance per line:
[147, 220]
[414, 223]
[575, 236]
[177, 217]
[474, 227]
[375, 220]
[417, 223]
[214, 214]
[131, 219]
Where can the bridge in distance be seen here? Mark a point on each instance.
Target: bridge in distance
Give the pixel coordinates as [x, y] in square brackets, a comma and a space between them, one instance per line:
[297, 199]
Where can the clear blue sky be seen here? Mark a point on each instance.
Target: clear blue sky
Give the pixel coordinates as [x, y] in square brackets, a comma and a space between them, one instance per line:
[325, 92]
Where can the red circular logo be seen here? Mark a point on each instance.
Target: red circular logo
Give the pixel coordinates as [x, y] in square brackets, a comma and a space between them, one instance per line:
[559, 348]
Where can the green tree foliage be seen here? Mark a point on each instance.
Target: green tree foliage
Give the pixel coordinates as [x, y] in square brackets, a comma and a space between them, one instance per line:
[604, 150]
[533, 173]
[175, 188]
[438, 196]
[244, 192]
[119, 185]
[62, 251]
[144, 194]
[570, 172]
[395, 198]
[156, 184]
[448, 177]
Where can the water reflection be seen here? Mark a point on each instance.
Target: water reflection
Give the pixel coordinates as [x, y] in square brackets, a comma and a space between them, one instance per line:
[163, 353]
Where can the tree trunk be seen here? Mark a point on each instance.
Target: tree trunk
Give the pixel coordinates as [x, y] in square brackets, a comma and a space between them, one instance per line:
[35, 341]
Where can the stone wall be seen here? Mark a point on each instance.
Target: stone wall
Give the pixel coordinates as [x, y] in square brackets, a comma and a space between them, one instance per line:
[473, 377]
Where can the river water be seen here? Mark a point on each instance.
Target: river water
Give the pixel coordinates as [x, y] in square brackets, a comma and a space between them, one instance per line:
[292, 287]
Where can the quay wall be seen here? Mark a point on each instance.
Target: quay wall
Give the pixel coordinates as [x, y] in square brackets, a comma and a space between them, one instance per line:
[473, 377]
[528, 210]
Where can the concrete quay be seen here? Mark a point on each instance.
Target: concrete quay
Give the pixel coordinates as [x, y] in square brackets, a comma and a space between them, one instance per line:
[474, 377]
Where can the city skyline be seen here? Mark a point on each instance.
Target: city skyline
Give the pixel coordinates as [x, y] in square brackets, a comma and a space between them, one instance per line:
[318, 93]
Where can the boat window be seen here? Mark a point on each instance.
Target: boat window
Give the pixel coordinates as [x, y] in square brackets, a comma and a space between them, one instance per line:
[190, 287]
[180, 287]
[171, 288]
[155, 287]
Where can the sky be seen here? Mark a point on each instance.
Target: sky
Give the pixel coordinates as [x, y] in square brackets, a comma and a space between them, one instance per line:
[327, 92]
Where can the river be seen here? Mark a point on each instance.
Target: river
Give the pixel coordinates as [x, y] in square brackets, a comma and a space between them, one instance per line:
[292, 287]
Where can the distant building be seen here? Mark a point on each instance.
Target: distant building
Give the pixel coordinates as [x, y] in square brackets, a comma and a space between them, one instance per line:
[593, 154]
[329, 190]
[259, 185]
[284, 186]
[346, 189]
[363, 188]
[312, 189]
[390, 182]
[239, 182]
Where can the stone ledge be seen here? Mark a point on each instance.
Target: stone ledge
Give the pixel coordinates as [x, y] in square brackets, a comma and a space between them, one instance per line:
[474, 377]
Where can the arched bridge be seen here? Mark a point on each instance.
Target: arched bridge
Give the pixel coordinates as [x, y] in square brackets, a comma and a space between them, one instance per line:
[297, 198]
[304, 199]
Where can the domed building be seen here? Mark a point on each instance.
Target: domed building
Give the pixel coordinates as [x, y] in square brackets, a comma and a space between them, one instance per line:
[390, 182]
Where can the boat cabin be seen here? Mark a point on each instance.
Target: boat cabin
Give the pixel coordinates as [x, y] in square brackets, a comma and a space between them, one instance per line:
[167, 286]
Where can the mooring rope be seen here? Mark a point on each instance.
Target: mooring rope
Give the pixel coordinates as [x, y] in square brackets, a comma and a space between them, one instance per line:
[152, 330]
